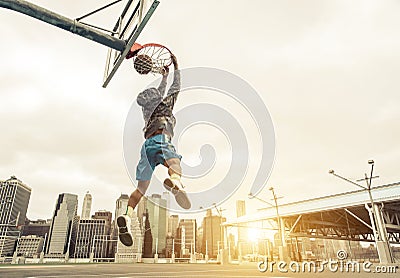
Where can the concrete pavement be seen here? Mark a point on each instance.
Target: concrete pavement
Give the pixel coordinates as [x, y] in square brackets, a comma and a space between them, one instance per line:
[159, 270]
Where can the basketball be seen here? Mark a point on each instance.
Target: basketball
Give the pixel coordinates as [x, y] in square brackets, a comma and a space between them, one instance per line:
[143, 64]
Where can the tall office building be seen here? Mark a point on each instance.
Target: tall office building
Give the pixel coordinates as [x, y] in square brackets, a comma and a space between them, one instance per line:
[14, 200]
[199, 240]
[240, 208]
[213, 236]
[241, 211]
[107, 216]
[120, 206]
[147, 237]
[38, 228]
[30, 246]
[156, 207]
[90, 238]
[186, 235]
[86, 206]
[63, 226]
[167, 197]
[173, 223]
[128, 253]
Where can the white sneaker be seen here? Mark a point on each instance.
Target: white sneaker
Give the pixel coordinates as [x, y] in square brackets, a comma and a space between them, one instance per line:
[124, 230]
[181, 197]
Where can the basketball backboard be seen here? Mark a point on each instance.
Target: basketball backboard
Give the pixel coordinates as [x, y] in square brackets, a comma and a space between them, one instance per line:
[128, 27]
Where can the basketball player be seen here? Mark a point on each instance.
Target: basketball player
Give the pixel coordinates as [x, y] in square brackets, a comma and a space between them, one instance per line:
[157, 149]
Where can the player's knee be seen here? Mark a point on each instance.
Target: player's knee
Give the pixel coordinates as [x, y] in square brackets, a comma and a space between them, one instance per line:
[172, 161]
[175, 168]
[141, 189]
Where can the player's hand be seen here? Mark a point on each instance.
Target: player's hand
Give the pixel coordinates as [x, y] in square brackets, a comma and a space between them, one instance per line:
[165, 71]
[174, 61]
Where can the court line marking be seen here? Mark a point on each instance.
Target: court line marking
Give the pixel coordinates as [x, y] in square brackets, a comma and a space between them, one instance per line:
[163, 273]
[16, 267]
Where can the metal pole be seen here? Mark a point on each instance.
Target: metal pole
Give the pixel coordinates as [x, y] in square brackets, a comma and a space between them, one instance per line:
[212, 236]
[372, 210]
[377, 223]
[280, 228]
[387, 255]
[229, 250]
[62, 22]
[239, 252]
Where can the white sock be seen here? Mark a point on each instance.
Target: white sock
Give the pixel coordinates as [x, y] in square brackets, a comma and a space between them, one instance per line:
[175, 176]
[129, 211]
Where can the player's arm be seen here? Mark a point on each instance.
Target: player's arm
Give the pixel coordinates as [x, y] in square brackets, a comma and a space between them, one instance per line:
[163, 83]
[176, 84]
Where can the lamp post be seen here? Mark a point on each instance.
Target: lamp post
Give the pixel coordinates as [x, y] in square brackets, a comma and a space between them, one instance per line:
[377, 222]
[281, 227]
[280, 221]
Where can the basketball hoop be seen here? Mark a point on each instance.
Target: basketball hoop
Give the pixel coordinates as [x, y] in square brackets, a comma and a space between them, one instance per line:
[151, 57]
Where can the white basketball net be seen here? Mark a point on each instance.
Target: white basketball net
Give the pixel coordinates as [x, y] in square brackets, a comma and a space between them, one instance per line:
[159, 55]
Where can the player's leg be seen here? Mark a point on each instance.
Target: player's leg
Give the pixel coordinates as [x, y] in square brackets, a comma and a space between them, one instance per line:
[144, 171]
[174, 168]
[174, 184]
[124, 221]
[136, 196]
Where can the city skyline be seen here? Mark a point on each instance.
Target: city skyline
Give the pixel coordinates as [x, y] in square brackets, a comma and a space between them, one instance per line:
[326, 75]
[67, 236]
[80, 205]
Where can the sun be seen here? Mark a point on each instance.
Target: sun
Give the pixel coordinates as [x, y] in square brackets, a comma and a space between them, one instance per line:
[253, 234]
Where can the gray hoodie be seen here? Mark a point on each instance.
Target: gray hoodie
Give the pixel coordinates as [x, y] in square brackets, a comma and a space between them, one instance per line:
[157, 111]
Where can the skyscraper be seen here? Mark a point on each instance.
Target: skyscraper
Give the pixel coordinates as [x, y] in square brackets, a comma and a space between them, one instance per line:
[240, 208]
[120, 205]
[107, 216]
[173, 222]
[14, 200]
[38, 228]
[106, 241]
[148, 238]
[63, 225]
[86, 206]
[241, 211]
[187, 237]
[30, 246]
[89, 238]
[156, 207]
[213, 236]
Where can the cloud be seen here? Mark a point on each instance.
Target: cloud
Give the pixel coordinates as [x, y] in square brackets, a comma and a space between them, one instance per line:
[327, 71]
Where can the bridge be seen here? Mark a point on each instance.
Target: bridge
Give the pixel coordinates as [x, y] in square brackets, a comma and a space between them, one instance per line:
[344, 216]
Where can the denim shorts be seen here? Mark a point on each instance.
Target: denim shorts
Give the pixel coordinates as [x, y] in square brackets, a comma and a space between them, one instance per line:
[155, 150]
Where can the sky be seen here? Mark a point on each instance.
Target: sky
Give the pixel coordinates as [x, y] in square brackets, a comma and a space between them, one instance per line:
[326, 70]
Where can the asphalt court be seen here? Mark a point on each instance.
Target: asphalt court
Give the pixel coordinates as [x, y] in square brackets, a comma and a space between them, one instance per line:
[157, 270]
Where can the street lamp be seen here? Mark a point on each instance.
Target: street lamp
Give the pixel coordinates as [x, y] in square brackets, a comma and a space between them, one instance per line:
[251, 196]
[377, 222]
[281, 226]
[280, 222]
